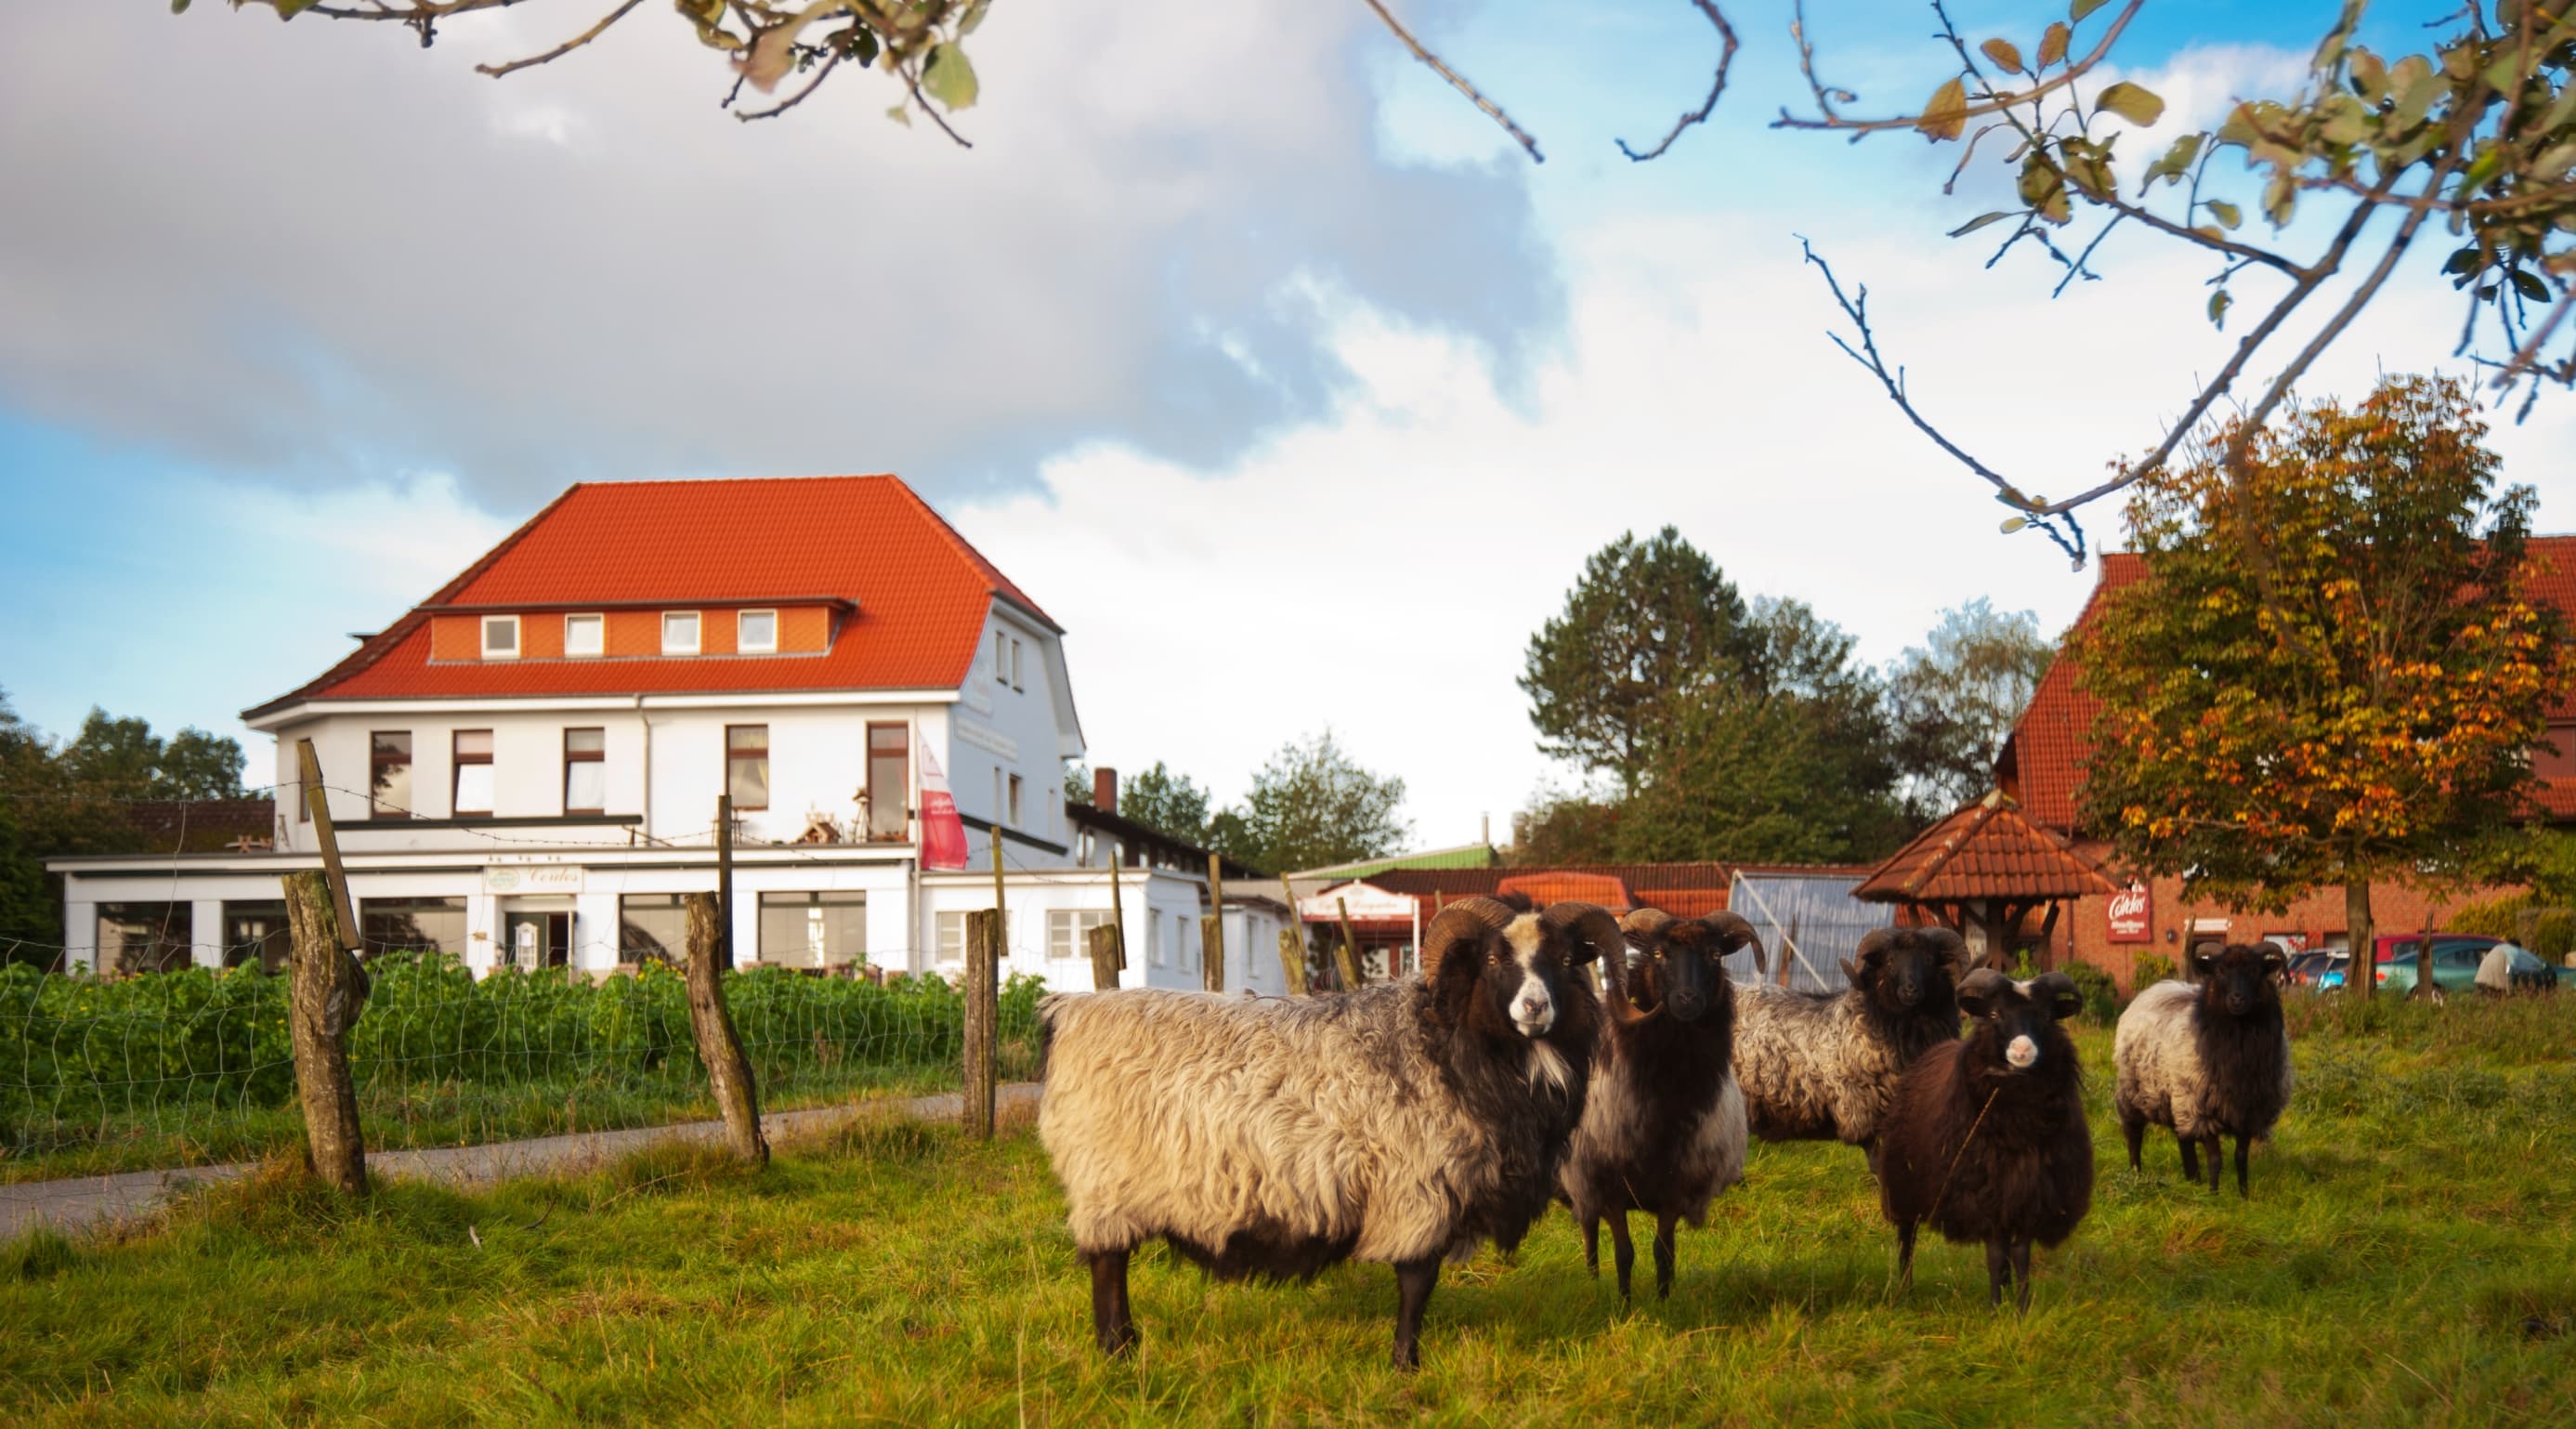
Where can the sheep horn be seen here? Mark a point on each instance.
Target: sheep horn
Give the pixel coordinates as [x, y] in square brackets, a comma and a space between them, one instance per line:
[1466, 918]
[1952, 947]
[1642, 924]
[1736, 927]
[1591, 928]
[1980, 988]
[1876, 942]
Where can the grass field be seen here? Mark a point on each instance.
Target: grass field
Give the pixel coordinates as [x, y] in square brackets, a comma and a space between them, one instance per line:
[2409, 1257]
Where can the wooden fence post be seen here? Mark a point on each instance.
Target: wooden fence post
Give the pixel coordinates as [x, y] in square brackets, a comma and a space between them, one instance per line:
[1350, 949]
[983, 949]
[729, 1072]
[326, 990]
[1118, 902]
[1104, 958]
[1292, 943]
[1212, 929]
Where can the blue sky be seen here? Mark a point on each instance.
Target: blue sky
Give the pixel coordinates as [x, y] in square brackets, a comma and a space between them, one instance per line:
[1254, 298]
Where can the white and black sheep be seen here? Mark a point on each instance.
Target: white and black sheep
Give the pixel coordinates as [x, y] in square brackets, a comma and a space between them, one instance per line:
[2207, 1058]
[1403, 1122]
[1822, 1068]
[1663, 1126]
[1985, 1138]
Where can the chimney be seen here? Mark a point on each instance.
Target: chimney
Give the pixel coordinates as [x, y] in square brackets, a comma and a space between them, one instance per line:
[1104, 790]
[1485, 830]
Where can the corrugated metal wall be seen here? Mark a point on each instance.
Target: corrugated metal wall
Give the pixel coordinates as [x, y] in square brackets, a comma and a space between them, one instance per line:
[1814, 912]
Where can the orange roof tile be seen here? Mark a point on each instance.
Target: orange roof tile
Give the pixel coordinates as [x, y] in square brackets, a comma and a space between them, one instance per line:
[920, 590]
[1985, 850]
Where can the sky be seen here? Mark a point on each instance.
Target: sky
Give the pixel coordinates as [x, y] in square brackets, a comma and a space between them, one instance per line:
[1274, 371]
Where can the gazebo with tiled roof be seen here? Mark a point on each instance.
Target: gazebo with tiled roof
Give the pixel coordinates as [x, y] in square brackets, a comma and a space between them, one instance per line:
[1983, 871]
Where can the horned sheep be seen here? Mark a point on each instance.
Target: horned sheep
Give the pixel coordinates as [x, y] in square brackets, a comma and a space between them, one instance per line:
[1986, 1139]
[2208, 1058]
[1822, 1068]
[1404, 1122]
[1663, 1127]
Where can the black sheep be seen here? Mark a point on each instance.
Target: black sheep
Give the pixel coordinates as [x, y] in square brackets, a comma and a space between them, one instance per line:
[1663, 1127]
[1985, 1138]
[2208, 1058]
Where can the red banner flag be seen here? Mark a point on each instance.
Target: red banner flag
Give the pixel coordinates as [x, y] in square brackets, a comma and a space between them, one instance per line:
[943, 834]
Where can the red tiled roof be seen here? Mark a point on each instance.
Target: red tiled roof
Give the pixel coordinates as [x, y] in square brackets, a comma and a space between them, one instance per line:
[2041, 764]
[1685, 890]
[1545, 888]
[921, 591]
[1985, 850]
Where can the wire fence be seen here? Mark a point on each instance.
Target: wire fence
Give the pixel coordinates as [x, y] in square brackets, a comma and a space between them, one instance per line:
[196, 1065]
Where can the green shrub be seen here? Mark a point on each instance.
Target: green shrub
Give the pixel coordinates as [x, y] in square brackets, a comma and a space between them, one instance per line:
[2101, 994]
[2150, 969]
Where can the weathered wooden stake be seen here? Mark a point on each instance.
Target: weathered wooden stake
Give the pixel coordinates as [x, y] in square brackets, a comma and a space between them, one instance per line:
[1212, 929]
[724, 881]
[1349, 952]
[983, 940]
[729, 1072]
[325, 992]
[317, 802]
[1118, 902]
[1292, 943]
[1104, 958]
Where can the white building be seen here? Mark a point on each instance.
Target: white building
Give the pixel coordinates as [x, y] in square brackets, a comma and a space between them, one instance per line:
[526, 766]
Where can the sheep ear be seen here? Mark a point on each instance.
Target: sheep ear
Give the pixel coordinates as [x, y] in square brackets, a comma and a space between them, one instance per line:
[2058, 993]
[2274, 964]
[2203, 961]
[1874, 945]
[1851, 971]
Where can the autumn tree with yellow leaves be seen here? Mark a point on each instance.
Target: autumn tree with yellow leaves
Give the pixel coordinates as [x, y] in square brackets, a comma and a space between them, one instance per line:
[2334, 670]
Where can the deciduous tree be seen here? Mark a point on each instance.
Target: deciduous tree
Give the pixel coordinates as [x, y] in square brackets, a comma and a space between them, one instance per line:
[2359, 706]
[1953, 699]
[1313, 805]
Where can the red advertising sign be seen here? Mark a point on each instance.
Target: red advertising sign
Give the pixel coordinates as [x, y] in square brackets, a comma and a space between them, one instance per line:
[2133, 915]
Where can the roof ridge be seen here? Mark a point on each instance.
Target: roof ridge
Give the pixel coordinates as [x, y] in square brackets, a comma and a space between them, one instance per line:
[1001, 585]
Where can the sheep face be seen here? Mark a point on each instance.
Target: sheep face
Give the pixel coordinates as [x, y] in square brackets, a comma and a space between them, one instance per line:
[1511, 977]
[1684, 970]
[1904, 971]
[2239, 979]
[2020, 1018]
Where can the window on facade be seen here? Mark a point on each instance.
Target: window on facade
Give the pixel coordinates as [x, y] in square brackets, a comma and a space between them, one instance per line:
[2556, 756]
[585, 788]
[747, 766]
[473, 791]
[398, 925]
[950, 929]
[755, 632]
[1155, 952]
[144, 937]
[585, 634]
[1015, 801]
[889, 782]
[389, 763]
[679, 632]
[1015, 664]
[813, 930]
[255, 932]
[1069, 930]
[1001, 658]
[500, 637]
[652, 928]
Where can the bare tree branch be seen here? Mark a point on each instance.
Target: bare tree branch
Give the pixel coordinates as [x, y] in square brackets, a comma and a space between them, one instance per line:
[1717, 88]
[791, 101]
[2000, 102]
[1457, 82]
[567, 47]
[913, 81]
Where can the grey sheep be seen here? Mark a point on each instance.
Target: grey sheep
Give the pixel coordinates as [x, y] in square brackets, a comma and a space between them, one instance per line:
[1405, 1122]
[1822, 1068]
[2208, 1058]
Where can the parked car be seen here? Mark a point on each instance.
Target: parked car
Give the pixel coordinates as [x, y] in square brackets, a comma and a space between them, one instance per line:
[2455, 964]
[2318, 969]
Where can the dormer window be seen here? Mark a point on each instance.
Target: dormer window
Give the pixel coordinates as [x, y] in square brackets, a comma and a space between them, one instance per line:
[756, 632]
[500, 637]
[679, 632]
[585, 635]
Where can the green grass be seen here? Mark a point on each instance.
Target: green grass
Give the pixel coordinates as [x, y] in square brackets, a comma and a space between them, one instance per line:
[2408, 1258]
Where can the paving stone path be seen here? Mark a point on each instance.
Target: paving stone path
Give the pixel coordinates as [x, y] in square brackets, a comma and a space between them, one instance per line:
[81, 1203]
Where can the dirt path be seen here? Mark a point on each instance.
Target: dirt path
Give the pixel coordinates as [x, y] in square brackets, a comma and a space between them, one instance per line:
[82, 1202]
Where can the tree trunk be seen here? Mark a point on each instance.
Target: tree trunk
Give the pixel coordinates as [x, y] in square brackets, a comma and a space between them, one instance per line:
[326, 990]
[719, 1046]
[2363, 979]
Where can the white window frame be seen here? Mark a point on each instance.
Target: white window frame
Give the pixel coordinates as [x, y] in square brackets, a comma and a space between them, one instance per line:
[518, 637]
[941, 925]
[1014, 805]
[1015, 663]
[1001, 658]
[743, 645]
[697, 632]
[1069, 931]
[598, 623]
[1153, 938]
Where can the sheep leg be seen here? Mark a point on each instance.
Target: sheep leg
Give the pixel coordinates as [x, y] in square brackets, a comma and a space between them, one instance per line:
[1413, 1282]
[2217, 1161]
[1905, 1254]
[2190, 1156]
[1664, 1255]
[2241, 1192]
[1110, 1319]
[1592, 1245]
[2021, 1272]
[1623, 1254]
[2133, 1126]
[1998, 1271]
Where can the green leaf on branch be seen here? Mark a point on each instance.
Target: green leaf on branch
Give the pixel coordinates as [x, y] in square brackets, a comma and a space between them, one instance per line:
[2014, 524]
[2218, 305]
[2044, 189]
[2176, 162]
[2529, 285]
[2052, 43]
[2004, 53]
[1946, 117]
[2082, 8]
[948, 78]
[974, 16]
[1980, 221]
[2226, 213]
[289, 9]
[178, 7]
[2135, 103]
